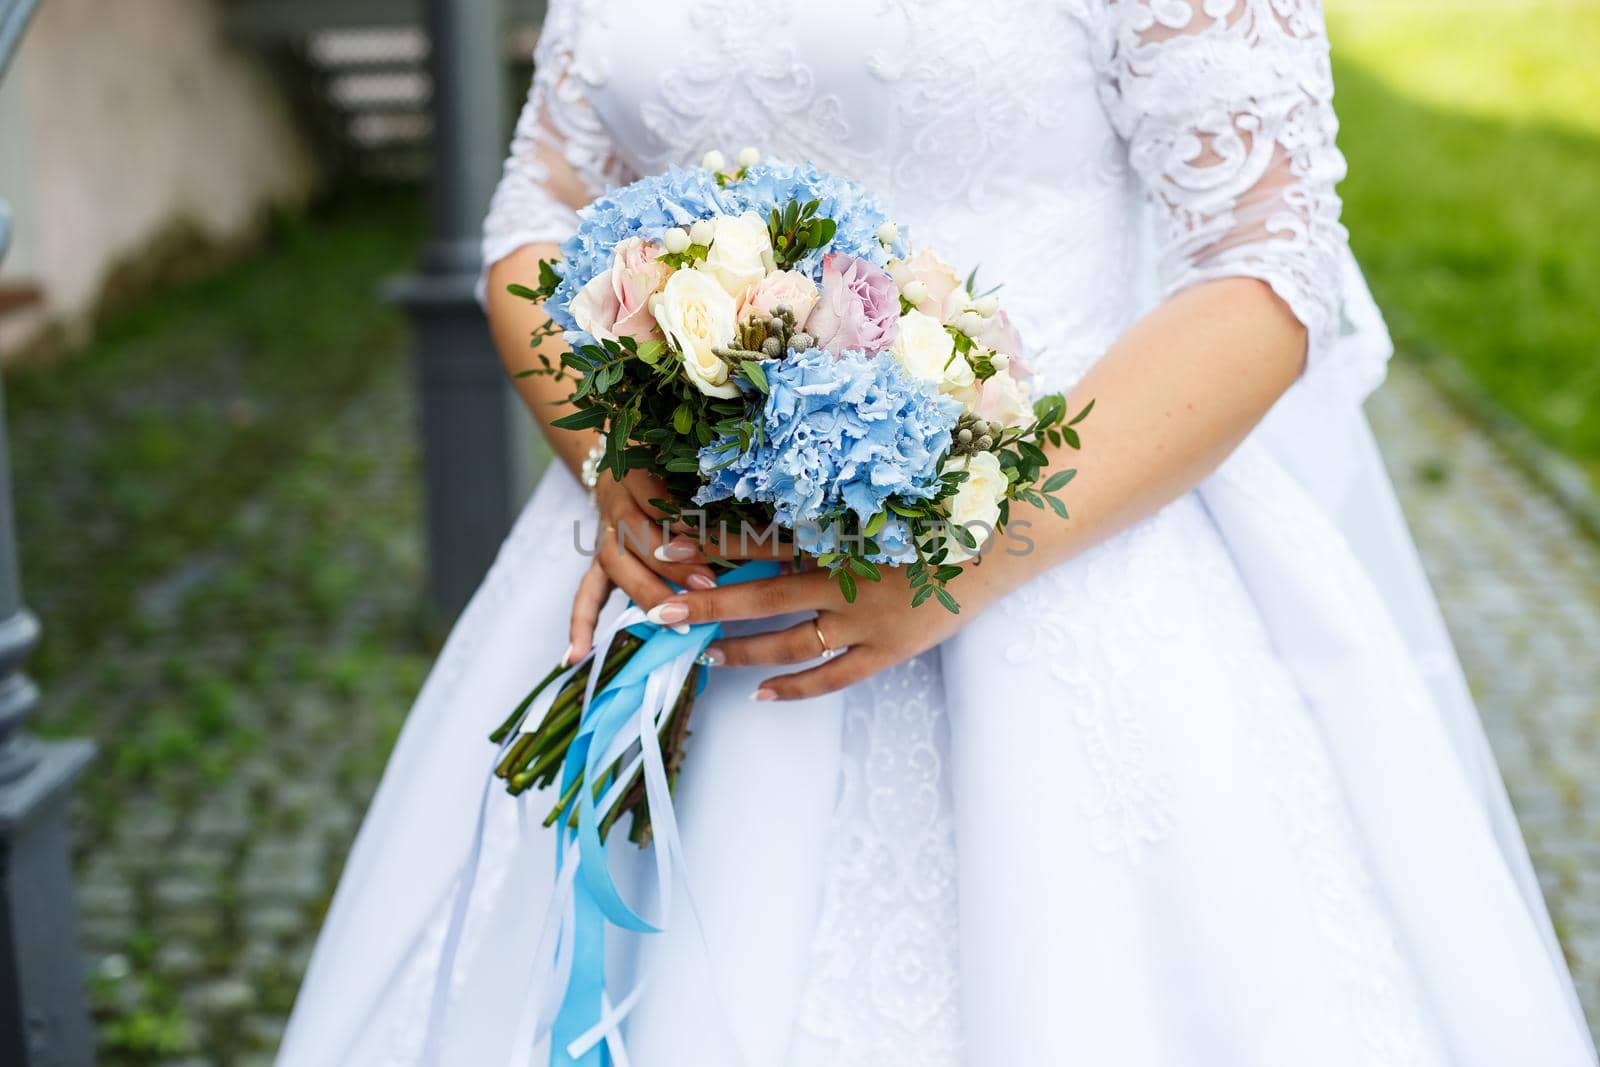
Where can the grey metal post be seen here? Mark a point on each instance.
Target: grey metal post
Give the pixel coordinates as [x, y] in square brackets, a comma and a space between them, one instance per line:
[469, 431]
[44, 1017]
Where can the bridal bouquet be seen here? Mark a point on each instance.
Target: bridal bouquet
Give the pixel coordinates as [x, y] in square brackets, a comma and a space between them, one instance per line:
[763, 340]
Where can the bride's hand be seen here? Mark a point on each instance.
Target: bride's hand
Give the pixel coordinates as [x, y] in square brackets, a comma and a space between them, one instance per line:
[633, 554]
[878, 631]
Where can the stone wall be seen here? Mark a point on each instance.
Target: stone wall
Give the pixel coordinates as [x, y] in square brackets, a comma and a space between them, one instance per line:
[122, 125]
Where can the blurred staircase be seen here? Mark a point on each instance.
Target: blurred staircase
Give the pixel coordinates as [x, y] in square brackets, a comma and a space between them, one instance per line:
[357, 71]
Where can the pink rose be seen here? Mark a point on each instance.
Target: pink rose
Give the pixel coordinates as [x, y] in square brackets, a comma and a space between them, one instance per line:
[615, 303]
[786, 288]
[1005, 399]
[859, 306]
[939, 277]
[999, 334]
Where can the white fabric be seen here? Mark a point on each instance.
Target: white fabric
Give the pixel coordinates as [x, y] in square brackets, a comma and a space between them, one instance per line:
[1212, 793]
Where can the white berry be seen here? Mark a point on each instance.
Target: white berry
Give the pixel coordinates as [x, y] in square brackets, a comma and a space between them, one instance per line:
[888, 232]
[749, 157]
[969, 323]
[676, 240]
[987, 306]
[702, 232]
[714, 160]
[915, 291]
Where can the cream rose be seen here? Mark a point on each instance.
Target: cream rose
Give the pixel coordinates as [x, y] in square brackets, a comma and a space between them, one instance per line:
[926, 349]
[697, 315]
[738, 243]
[976, 505]
[785, 288]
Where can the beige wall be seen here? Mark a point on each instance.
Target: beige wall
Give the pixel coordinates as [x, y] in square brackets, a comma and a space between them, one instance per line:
[122, 121]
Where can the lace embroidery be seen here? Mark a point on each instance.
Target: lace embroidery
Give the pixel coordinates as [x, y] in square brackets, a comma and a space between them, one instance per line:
[884, 982]
[558, 129]
[758, 89]
[1086, 621]
[1227, 109]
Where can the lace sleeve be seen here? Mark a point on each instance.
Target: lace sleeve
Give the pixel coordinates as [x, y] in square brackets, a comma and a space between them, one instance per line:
[561, 154]
[1226, 107]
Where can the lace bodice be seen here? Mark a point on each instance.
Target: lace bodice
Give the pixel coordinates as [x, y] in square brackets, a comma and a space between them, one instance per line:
[1027, 136]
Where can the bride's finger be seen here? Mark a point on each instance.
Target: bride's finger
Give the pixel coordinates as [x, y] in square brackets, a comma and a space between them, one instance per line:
[630, 574]
[676, 559]
[800, 643]
[586, 604]
[838, 673]
[759, 599]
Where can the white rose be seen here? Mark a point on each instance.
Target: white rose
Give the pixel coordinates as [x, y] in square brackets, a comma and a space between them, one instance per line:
[697, 315]
[976, 505]
[926, 349]
[736, 256]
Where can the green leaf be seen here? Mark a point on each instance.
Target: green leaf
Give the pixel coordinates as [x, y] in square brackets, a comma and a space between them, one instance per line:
[921, 595]
[1059, 480]
[587, 419]
[946, 599]
[866, 568]
[1080, 416]
[522, 290]
[757, 376]
[683, 419]
[1057, 506]
[847, 584]
[1070, 436]
[651, 351]
[875, 524]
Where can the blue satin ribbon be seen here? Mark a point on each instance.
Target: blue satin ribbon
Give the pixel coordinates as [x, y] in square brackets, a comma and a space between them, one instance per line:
[596, 898]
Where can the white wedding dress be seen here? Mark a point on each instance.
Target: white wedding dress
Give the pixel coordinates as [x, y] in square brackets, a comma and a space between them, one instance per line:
[1212, 793]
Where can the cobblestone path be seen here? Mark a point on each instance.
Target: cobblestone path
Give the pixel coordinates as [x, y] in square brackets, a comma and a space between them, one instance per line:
[201, 902]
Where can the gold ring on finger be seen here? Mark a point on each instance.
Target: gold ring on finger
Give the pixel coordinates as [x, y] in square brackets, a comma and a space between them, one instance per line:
[828, 651]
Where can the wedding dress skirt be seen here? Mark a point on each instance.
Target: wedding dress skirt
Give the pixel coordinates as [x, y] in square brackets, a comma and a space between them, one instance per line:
[1166, 855]
[1211, 793]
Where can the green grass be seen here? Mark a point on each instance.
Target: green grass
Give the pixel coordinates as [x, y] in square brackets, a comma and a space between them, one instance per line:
[1474, 148]
[218, 515]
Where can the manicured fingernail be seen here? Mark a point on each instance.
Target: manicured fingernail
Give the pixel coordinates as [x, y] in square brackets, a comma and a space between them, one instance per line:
[566, 657]
[764, 695]
[702, 581]
[711, 657]
[672, 552]
[668, 612]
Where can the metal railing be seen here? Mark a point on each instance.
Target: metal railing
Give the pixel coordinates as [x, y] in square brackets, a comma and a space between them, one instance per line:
[43, 1015]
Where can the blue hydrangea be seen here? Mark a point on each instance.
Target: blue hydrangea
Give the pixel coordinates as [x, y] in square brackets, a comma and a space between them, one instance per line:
[676, 197]
[851, 429]
[858, 214]
[646, 208]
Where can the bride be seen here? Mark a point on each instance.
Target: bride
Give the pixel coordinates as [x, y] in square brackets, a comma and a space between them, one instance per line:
[1196, 780]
